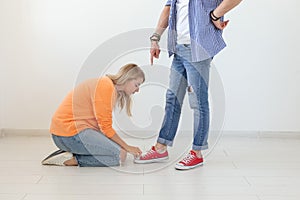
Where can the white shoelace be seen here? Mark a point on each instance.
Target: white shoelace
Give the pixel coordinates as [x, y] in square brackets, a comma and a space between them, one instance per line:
[188, 158]
[150, 152]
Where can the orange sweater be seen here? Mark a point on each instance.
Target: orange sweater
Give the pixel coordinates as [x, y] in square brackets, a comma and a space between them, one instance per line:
[89, 105]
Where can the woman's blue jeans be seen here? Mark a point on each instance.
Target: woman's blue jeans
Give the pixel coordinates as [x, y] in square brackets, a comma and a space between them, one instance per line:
[91, 148]
[192, 77]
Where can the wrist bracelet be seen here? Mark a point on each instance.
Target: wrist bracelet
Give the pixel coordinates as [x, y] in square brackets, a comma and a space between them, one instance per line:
[213, 17]
[155, 37]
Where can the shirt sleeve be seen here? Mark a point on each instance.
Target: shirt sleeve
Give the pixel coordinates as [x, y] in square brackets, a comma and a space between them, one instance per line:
[103, 106]
[168, 2]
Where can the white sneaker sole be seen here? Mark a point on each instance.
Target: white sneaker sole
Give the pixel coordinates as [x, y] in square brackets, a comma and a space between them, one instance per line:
[53, 154]
[59, 159]
[182, 167]
[156, 160]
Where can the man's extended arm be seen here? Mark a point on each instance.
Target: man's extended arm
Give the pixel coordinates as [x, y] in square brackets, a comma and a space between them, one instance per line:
[221, 10]
[163, 20]
[162, 24]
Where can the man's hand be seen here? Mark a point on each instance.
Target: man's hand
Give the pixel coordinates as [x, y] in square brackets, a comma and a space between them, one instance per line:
[154, 51]
[219, 24]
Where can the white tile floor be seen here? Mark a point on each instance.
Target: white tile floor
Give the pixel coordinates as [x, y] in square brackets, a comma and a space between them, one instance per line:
[247, 166]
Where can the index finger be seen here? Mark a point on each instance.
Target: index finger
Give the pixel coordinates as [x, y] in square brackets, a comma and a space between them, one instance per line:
[151, 59]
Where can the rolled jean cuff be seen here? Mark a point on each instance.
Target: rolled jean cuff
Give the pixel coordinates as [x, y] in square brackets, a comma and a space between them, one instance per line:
[165, 142]
[199, 148]
[80, 164]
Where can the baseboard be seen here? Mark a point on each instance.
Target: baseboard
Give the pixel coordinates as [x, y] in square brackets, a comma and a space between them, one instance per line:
[5, 132]
[263, 134]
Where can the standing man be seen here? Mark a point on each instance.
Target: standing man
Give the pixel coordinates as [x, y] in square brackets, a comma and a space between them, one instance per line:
[194, 38]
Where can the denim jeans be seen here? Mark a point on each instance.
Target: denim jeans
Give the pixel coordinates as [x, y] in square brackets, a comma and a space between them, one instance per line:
[192, 77]
[91, 148]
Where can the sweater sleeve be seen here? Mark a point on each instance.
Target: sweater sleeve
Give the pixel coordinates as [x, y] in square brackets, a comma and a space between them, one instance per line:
[103, 105]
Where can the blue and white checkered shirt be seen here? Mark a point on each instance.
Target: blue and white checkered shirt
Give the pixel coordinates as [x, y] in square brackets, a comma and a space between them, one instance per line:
[206, 39]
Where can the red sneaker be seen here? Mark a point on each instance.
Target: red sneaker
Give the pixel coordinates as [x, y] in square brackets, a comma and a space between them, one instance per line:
[152, 156]
[189, 161]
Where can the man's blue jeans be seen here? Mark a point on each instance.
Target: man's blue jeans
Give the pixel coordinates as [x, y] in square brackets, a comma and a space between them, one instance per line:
[192, 77]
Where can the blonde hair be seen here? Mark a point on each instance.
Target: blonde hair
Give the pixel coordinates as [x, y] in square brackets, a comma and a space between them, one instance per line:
[126, 73]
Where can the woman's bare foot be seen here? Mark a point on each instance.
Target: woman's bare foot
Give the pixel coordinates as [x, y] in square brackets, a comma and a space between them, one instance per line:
[71, 162]
[123, 155]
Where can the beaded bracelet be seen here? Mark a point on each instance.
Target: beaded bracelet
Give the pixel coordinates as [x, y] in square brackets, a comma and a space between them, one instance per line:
[155, 37]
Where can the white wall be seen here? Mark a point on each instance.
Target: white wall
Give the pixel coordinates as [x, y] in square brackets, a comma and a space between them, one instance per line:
[260, 67]
[44, 44]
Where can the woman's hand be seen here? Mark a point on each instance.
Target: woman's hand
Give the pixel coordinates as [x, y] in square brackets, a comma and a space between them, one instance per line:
[135, 151]
[130, 149]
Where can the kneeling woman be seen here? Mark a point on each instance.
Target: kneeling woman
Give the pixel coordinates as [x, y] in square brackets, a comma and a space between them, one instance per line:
[82, 125]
